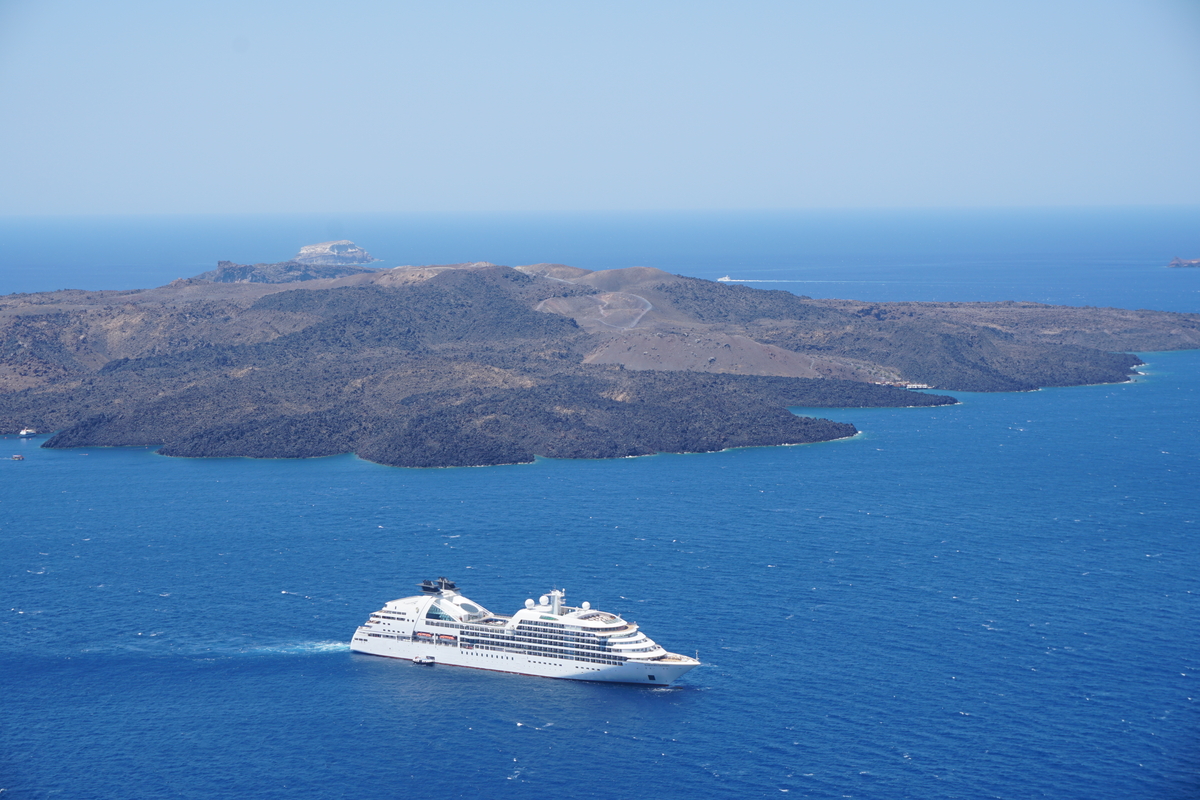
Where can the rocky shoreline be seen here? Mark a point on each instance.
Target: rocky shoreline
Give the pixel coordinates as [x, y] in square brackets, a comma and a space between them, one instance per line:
[473, 364]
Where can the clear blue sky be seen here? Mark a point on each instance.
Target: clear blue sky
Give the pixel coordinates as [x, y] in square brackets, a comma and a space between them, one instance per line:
[135, 107]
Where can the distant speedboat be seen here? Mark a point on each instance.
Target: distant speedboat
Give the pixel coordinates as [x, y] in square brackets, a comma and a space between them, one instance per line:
[726, 279]
[18, 457]
[27, 432]
[425, 661]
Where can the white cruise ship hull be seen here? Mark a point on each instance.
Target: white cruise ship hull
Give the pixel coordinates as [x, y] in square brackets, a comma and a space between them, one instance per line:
[648, 672]
[546, 639]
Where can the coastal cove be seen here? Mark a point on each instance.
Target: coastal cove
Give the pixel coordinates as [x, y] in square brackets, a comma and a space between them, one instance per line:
[994, 598]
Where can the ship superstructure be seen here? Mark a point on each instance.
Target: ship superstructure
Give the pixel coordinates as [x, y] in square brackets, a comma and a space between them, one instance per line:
[545, 638]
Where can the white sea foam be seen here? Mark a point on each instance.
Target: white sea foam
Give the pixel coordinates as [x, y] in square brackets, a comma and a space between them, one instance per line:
[303, 648]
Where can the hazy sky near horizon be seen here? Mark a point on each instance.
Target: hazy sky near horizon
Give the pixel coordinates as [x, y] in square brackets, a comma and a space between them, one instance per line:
[215, 107]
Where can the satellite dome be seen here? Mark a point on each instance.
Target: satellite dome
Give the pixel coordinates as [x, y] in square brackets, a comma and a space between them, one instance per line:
[529, 603]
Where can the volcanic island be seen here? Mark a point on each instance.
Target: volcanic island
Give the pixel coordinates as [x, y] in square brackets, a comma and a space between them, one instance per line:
[480, 364]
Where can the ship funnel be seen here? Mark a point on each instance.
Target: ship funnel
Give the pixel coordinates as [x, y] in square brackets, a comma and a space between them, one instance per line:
[440, 585]
[556, 597]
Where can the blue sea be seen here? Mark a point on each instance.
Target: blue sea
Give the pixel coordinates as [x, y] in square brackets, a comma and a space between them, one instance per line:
[998, 599]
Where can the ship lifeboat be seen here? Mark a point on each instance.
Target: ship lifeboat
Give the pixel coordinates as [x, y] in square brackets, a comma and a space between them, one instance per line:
[445, 637]
[424, 635]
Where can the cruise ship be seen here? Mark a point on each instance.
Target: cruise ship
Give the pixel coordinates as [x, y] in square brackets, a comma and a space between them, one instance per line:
[545, 638]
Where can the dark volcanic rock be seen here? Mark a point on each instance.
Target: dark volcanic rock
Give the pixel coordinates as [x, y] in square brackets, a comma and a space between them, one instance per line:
[569, 419]
[456, 365]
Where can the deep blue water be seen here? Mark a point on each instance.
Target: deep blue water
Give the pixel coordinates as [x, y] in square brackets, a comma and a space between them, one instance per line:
[994, 599]
[1107, 257]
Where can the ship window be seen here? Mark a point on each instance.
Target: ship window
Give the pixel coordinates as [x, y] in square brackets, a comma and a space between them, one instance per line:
[436, 613]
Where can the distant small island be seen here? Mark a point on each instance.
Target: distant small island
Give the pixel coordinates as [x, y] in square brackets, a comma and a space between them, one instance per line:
[313, 262]
[341, 253]
[1179, 262]
[475, 364]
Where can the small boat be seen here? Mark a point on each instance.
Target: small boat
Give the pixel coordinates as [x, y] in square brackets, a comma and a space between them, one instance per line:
[726, 279]
[27, 432]
[424, 661]
[18, 458]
